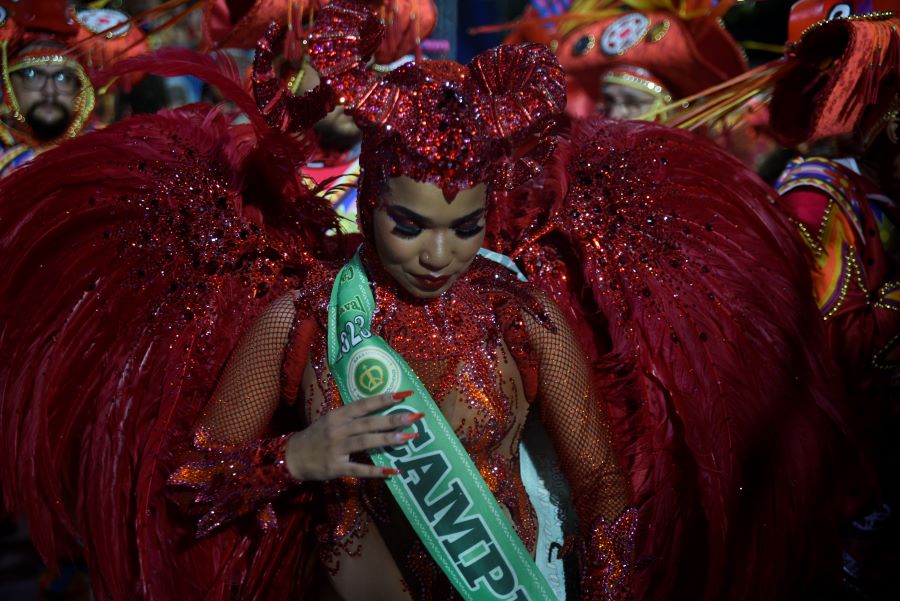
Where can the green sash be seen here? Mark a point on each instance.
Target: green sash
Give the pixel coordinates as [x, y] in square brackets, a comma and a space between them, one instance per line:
[439, 488]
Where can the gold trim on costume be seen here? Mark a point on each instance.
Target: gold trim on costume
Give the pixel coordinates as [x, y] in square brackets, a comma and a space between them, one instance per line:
[8, 158]
[659, 31]
[867, 17]
[584, 45]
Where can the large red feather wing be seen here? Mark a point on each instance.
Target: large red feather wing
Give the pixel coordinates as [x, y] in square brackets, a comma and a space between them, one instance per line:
[133, 259]
[694, 295]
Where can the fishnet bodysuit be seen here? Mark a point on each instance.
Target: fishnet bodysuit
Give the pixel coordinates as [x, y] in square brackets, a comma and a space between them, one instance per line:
[249, 390]
[485, 351]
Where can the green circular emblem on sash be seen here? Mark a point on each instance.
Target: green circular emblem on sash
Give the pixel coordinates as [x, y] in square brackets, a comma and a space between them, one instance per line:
[372, 371]
[371, 376]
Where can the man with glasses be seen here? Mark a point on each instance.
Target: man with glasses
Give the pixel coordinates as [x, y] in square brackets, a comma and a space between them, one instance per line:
[47, 94]
[51, 99]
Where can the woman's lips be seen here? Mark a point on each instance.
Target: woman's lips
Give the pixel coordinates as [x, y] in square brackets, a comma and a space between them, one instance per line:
[430, 282]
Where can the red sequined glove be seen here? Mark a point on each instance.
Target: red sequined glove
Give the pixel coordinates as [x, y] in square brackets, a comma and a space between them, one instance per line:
[607, 559]
[236, 479]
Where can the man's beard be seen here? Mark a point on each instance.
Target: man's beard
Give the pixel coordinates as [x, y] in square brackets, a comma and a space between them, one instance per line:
[48, 131]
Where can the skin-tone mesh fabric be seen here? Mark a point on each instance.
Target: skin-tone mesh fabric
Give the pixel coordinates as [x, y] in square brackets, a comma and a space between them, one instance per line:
[249, 391]
[250, 388]
[577, 422]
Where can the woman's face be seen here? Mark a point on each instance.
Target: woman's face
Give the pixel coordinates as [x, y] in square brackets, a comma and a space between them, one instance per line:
[624, 103]
[423, 241]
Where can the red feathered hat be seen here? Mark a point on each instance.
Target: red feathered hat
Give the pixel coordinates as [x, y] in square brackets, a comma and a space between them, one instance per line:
[94, 37]
[106, 36]
[441, 122]
[841, 77]
[43, 17]
[234, 24]
[682, 51]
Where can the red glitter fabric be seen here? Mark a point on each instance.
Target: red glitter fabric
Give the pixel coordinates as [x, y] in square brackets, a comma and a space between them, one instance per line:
[137, 255]
[282, 109]
[692, 294]
[233, 478]
[485, 350]
[240, 23]
[438, 121]
[141, 252]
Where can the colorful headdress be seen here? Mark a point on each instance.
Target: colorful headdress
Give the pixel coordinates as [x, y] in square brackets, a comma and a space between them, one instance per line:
[807, 13]
[841, 77]
[640, 79]
[233, 24]
[9, 31]
[43, 32]
[838, 76]
[441, 122]
[682, 45]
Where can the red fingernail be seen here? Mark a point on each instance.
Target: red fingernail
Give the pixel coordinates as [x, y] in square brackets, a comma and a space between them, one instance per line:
[413, 417]
[389, 471]
[399, 396]
[405, 436]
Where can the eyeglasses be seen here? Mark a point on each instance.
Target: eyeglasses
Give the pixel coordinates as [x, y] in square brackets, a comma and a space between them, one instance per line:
[65, 80]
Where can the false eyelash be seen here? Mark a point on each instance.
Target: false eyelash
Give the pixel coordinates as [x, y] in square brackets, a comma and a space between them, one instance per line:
[406, 231]
[469, 232]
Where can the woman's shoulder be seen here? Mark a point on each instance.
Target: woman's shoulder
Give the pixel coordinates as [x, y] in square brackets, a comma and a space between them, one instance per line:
[507, 292]
[306, 301]
[313, 293]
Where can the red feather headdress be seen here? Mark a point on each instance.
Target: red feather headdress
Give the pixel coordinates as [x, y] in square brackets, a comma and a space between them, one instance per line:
[441, 122]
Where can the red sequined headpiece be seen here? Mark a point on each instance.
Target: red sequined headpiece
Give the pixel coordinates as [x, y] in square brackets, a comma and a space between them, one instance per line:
[240, 23]
[441, 122]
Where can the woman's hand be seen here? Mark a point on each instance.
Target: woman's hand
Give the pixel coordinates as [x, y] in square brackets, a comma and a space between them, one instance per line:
[322, 451]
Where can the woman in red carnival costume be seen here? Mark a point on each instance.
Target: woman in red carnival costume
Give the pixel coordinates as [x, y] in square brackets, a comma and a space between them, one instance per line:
[472, 340]
[180, 230]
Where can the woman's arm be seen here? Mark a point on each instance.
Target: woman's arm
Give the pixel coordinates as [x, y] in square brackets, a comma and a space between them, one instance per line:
[249, 390]
[578, 424]
[237, 471]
